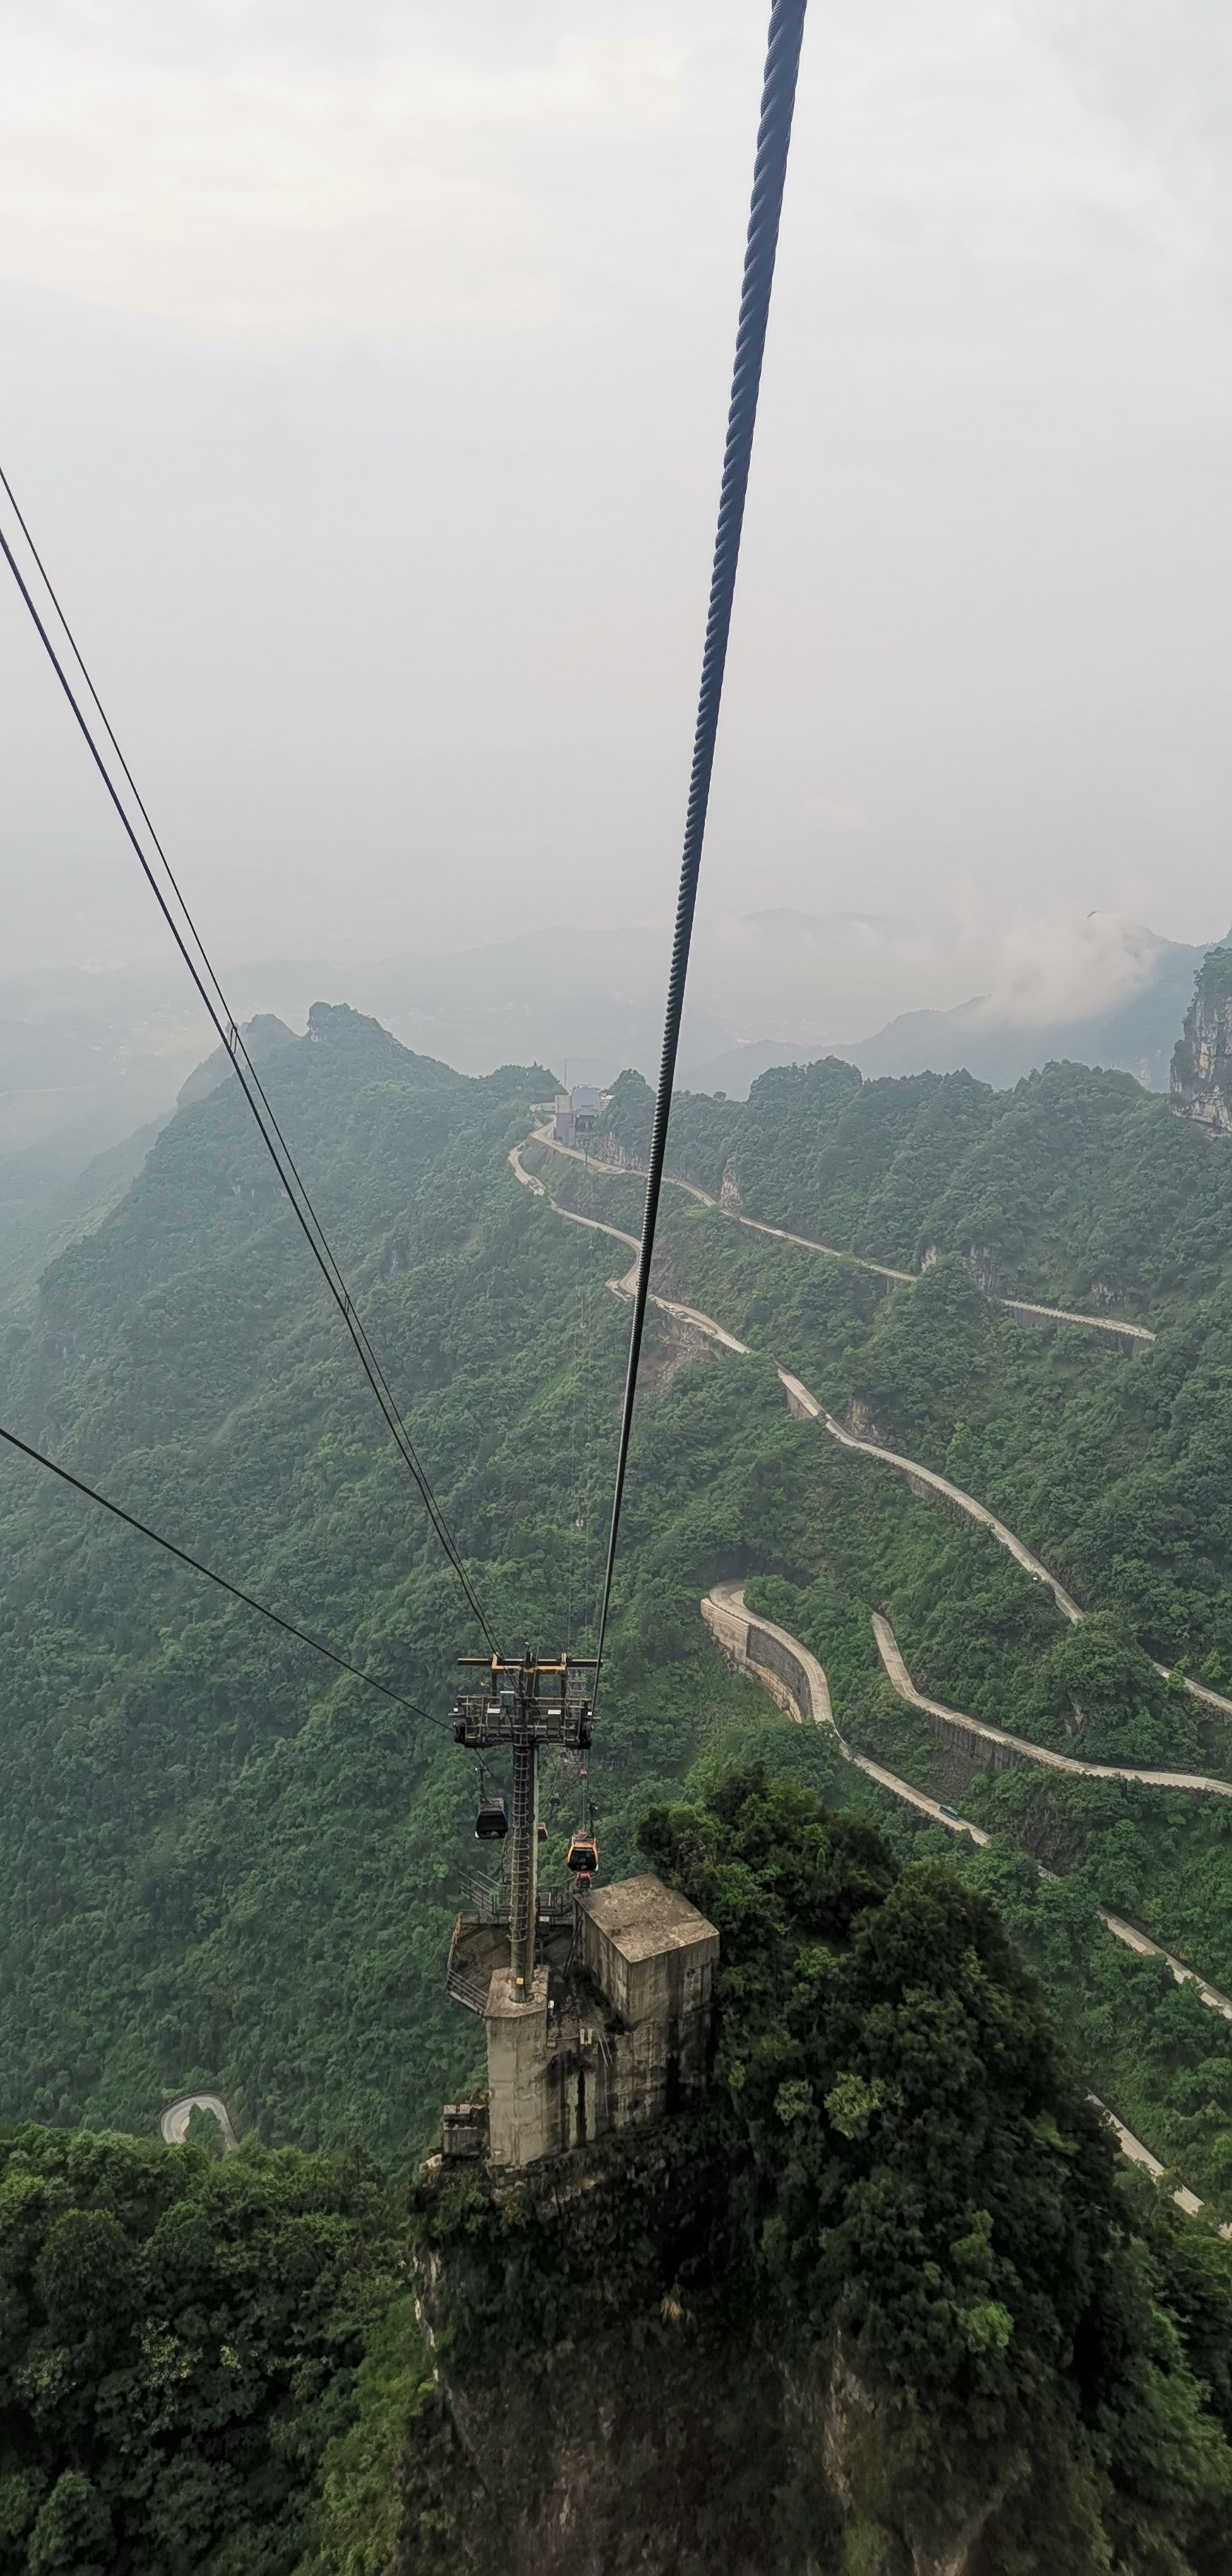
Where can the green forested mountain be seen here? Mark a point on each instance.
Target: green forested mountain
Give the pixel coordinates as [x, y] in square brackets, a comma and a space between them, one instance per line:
[223, 1866]
[173, 1764]
[913, 2320]
[220, 1864]
[44, 1207]
[1116, 1471]
[182, 2342]
[821, 2308]
[1076, 1187]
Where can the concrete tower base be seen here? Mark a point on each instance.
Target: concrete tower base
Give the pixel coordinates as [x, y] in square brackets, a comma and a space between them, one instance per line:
[618, 2035]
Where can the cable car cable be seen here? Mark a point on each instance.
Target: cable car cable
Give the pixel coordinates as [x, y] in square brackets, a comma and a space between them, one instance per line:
[224, 1023]
[236, 1591]
[769, 172]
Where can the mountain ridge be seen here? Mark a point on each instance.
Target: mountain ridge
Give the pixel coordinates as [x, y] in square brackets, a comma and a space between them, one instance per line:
[1134, 1035]
[221, 1869]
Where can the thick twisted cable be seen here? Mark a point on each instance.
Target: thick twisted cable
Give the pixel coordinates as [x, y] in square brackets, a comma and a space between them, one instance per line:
[769, 172]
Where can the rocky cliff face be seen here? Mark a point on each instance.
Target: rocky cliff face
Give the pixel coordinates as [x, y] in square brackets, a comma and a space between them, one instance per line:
[1202, 1061]
[870, 2306]
[609, 2402]
[590, 2414]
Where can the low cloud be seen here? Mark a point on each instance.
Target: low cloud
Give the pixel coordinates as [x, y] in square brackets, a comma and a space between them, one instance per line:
[1052, 970]
[261, 205]
[840, 976]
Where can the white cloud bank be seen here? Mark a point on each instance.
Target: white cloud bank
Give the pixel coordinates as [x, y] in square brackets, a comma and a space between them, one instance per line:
[260, 206]
[840, 976]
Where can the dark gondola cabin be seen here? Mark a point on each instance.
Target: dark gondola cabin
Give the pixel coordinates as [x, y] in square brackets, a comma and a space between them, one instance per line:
[491, 1821]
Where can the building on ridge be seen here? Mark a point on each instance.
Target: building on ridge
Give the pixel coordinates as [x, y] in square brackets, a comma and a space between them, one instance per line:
[577, 1113]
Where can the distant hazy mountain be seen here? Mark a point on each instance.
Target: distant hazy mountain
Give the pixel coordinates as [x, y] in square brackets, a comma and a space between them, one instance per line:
[86, 1058]
[586, 1002]
[1134, 1035]
[737, 1069]
[44, 1207]
[591, 1000]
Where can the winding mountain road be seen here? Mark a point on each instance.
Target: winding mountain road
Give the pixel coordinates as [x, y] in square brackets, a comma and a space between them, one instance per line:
[798, 1684]
[537, 1190]
[806, 1695]
[1020, 1746]
[919, 1476]
[803, 1689]
[804, 1402]
[173, 2126]
[1115, 1325]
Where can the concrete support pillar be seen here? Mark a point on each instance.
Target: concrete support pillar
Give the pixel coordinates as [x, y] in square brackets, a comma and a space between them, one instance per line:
[520, 2125]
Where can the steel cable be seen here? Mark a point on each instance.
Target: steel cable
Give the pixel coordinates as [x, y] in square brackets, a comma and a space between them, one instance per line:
[223, 1021]
[249, 1599]
[769, 172]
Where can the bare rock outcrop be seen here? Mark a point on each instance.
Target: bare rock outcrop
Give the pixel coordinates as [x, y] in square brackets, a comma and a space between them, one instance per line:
[1202, 1061]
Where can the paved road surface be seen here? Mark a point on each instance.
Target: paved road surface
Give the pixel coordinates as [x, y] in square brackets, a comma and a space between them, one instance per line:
[174, 2122]
[728, 1603]
[965, 1503]
[1133, 1939]
[1138, 2154]
[725, 1604]
[1064, 1315]
[1020, 1745]
[918, 1474]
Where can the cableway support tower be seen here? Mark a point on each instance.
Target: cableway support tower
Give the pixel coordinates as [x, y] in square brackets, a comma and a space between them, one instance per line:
[524, 1708]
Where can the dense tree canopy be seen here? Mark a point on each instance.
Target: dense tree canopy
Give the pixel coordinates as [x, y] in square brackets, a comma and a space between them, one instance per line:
[178, 2342]
[1077, 1186]
[900, 2213]
[928, 2196]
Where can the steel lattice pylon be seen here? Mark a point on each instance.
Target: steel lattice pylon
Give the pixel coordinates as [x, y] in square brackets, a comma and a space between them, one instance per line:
[525, 1706]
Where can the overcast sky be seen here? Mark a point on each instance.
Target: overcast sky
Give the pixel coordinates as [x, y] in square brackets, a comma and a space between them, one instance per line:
[365, 376]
